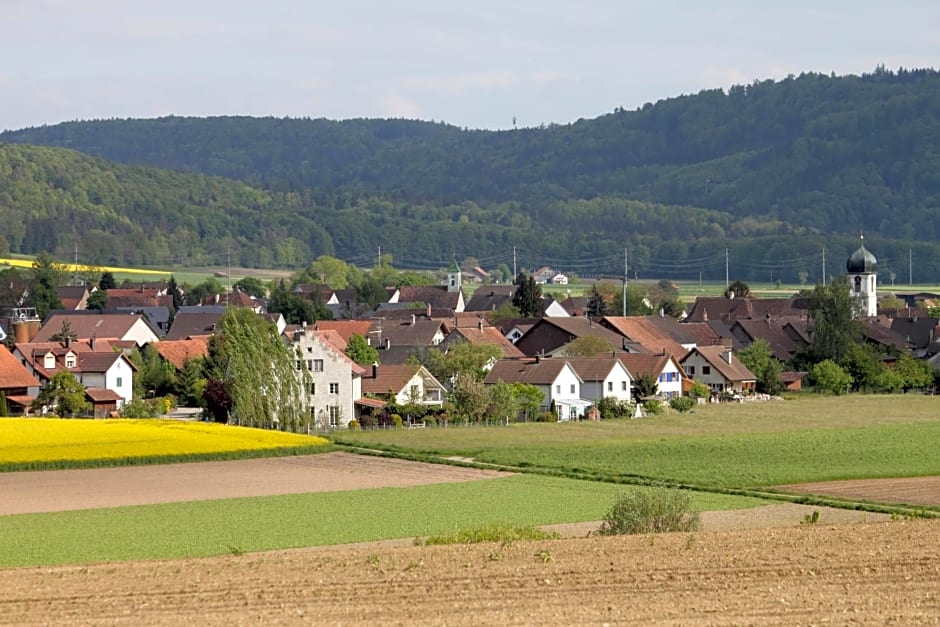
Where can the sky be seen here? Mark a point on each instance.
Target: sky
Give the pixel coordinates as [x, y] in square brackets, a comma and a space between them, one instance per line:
[473, 63]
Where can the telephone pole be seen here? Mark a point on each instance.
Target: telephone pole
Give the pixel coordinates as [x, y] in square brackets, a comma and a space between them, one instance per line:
[824, 267]
[626, 278]
[727, 282]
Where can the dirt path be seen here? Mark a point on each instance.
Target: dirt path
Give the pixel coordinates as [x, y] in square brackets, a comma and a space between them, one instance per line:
[875, 573]
[60, 490]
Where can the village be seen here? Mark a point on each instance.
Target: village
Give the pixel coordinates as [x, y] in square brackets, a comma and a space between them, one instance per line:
[579, 360]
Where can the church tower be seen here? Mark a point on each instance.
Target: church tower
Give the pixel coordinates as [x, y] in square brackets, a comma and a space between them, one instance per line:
[862, 268]
[453, 277]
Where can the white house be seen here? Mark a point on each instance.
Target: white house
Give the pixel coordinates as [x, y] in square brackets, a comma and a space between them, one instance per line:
[555, 378]
[336, 380]
[665, 368]
[603, 377]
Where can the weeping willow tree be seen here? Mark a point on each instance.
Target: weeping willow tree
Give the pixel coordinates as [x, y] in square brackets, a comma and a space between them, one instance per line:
[266, 387]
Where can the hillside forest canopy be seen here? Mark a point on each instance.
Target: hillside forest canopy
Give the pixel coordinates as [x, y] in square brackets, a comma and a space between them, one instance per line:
[774, 172]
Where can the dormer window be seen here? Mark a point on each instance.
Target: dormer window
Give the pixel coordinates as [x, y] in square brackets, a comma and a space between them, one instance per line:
[70, 360]
[48, 361]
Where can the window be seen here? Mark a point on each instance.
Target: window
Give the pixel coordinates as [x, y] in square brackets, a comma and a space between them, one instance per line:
[313, 389]
[70, 361]
[610, 386]
[334, 415]
[690, 370]
[310, 365]
[558, 389]
[300, 364]
[572, 388]
[706, 369]
[623, 386]
[120, 382]
[334, 388]
[413, 392]
[309, 349]
[318, 365]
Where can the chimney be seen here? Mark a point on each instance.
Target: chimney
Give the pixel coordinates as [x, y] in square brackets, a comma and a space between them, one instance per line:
[375, 370]
[480, 323]
[303, 325]
[428, 311]
[413, 320]
[68, 341]
[91, 342]
[704, 314]
[388, 343]
[728, 356]
[538, 358]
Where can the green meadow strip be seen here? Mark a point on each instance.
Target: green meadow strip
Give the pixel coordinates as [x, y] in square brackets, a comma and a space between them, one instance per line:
[234, 526]
[107, 462]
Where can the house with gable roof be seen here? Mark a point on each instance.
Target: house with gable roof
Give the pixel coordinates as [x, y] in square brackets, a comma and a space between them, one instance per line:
[105, 371]
[551, 335]
[402, 384]
[555, 378]
[17, 383]
[336, 380]
[719, 369]
[664, 368]
[85, 325]
[603, 376]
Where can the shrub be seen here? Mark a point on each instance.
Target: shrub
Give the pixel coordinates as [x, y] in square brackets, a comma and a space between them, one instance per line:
[655, 510]
[396, 420]
[353, 425]
[611, 408]
[682, 403]
[700, 390]
[652, 407]
[547, 416]
[489, 533]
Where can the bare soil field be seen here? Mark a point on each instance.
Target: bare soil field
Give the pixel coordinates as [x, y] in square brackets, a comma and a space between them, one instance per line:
[875, 573]
[911, 491]
[61, 490]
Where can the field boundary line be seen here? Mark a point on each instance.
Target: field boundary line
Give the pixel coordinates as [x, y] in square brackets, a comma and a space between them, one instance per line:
[769, 494]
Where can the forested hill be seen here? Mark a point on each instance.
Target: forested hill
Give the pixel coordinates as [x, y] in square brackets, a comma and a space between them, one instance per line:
[829, 154]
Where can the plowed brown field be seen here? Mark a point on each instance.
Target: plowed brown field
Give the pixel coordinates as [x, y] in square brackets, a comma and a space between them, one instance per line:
[839, 571]
[875, 573]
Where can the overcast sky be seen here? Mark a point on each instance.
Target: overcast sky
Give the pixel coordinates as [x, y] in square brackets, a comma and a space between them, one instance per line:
[474, 63]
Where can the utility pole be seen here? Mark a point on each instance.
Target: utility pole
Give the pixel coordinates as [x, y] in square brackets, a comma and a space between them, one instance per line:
[626, 278]
[378, 261]
[514, 263]
[727, 282]
[910, 266]
[824, 267]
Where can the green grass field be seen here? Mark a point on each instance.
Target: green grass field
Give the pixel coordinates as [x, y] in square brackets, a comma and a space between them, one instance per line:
[729, 445]
[255, 524]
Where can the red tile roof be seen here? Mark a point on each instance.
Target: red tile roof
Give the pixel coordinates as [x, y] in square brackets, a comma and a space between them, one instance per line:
[13, 374]
[178, 352]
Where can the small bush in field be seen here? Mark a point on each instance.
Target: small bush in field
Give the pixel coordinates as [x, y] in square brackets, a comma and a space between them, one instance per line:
[657, 510]
[682, 403]
[652, 407]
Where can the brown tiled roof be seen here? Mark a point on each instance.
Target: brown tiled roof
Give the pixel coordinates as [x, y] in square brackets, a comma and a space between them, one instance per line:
[142, 297]
[535, 372]
[88, 325]
[436, 296]
[489, 297]
[593, 368]
[644, 363]
[345, 328]
[720, 308]
[534, 339]
[487, 335]
[782, 345]
[418, 333]
[190, 324]
[387, 377]
[72, 296]
[101, 395]
[717, 357]
[178, 352]
[13, 374]
[96, 362]
[88, 359]
[644, 332]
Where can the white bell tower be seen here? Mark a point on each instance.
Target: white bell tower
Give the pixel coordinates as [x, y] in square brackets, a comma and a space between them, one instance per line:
[862, 268]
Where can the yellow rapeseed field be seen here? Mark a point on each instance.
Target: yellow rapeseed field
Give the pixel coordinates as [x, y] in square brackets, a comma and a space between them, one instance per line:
[30, 440]
[71, 267]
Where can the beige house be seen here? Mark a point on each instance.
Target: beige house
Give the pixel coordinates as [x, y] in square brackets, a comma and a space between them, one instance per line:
[336, 379]
[719, 369]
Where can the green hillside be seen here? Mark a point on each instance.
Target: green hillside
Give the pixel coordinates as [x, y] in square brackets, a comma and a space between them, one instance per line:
[774, 171]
